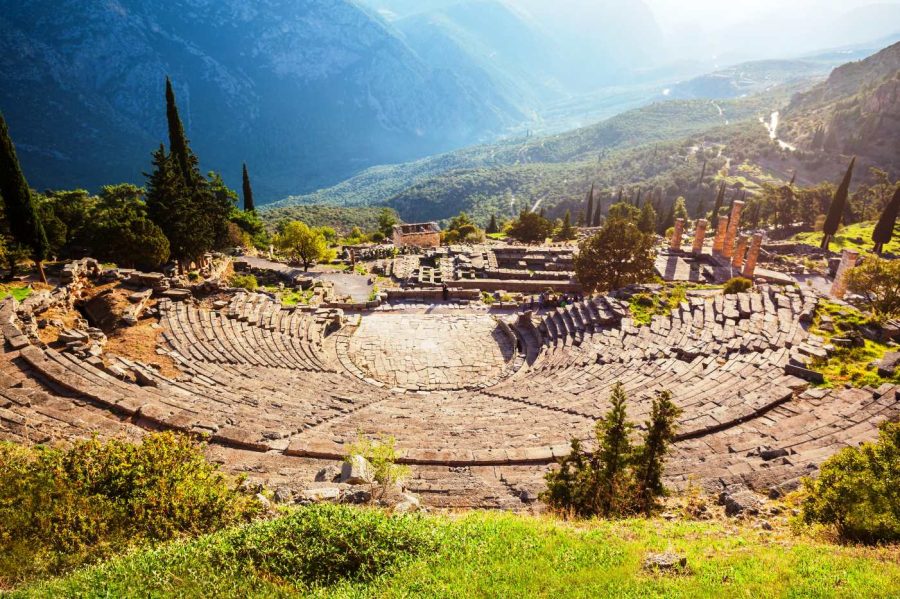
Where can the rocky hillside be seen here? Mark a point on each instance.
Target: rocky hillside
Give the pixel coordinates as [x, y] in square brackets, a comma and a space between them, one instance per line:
[856, 111]
[306, 92]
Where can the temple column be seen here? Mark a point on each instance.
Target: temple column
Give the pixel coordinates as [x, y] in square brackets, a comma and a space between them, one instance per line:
[675, 244]
[738, 260]
[734, 223]
[848, 261]
[700, 235]
[719, 241]
[753, 256]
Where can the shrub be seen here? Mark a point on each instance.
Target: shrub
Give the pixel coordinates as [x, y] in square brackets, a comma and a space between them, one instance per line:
[878, 281]
[737, 285]
[62, 508]
[247, 282]
[858, 490]
[382, 455]
[324, 544]
[617, 479]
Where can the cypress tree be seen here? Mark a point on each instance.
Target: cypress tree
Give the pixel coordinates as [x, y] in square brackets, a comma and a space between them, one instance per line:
[598, 213]
[649, 457]
[720, 199]
[492, 227]
[702, 175]
[793, 179]
[619, 199]
[249, 206]
[178, 143]
[884, 230]
[24, 221]
[589, 214]
[836, 210]
[637, 201]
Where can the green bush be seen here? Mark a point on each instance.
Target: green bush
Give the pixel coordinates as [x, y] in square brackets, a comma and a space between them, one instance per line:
[858, 490]
[247, 282]
[737, 285]
[60, 508]
[323, 544]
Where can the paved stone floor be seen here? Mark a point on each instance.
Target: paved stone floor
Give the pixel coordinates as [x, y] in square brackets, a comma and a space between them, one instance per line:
[431, 351]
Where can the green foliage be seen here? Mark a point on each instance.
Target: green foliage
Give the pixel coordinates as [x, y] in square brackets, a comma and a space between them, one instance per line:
[493, 228]
[462, 229]
[647, 220]
[617, 479]
[878, 280]
[854, 364]
[566, 231]
[624, 211]
[244, 281]
[18, 292]
[490, 554]
[530, 228]
[22, 218]
[382, 456]
[301, 243]
[858, 490]
[341, 218]
[60, 508]
[737, 285]
[249, 204]
[837, 208]
[387, 218]
[855, 236]
[618, 255]
[644, 306]
[884, 229]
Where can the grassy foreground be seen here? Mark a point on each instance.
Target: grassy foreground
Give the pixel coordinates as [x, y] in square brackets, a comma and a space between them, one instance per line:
[347, 552]
[857, 236]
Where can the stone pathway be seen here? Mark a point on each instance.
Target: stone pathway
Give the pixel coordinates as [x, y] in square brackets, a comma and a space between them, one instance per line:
[428, 352]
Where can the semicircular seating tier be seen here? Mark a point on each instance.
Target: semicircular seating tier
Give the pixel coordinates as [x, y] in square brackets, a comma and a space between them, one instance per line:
[278, 392]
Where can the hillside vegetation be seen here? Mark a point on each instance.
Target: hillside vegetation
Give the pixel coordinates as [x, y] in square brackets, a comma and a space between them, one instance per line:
[348, 552]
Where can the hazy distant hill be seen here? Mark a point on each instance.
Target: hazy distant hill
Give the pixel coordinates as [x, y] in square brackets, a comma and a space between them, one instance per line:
[307, 93]
[856, 111]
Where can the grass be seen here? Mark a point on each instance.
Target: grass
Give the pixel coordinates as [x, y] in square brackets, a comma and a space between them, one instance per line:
[19, 292]
[644, 306]
[292, 297]
[856, 366]
[483, 555]
[855, 237]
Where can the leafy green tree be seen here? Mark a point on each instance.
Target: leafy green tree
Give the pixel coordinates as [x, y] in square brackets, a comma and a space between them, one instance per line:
[680, 209]
[530, 228]
[249, 206]
[836, 211]
[462, 229]
[878, 280]
[22, 217]
[618, 255]
[302, 244]
[884, 229]
[387, 218]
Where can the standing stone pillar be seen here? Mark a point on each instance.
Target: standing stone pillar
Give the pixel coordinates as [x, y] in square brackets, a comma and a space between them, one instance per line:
[675, 245]
[848, 261]
[719, 241]
[700, 235]
[752, 256]
[738, 261]
[734, 223]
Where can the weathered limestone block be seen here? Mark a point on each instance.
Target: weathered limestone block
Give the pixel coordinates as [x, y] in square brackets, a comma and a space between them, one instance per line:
[357, 471]
[848, 262]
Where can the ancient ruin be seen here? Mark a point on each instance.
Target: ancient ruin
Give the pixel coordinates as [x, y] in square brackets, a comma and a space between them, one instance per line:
[481, 400]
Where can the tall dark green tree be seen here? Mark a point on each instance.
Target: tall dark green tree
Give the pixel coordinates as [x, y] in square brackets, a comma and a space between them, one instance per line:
[836, 211]
[615, 451]
[598, 213]
[178, 142]
[493, 229]
[589, 212]
[649, 458]
[23, 220]
[249, 206]
[884, 229]
[717, 207]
